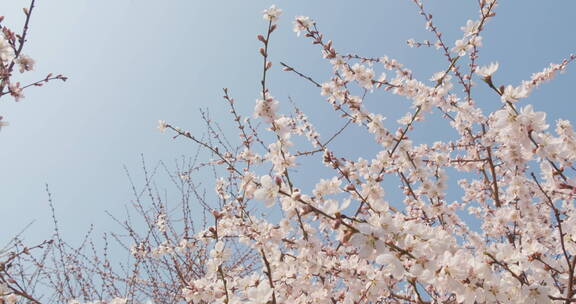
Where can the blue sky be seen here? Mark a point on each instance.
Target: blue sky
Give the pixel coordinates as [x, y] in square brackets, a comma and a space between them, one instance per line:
[133, 62]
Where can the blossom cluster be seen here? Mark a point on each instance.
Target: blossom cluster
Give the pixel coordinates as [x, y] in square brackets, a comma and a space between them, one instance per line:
[347, 242]
[487, 216]
[12, 56]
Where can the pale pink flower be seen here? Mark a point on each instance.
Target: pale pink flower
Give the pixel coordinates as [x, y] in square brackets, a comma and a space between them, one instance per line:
[302, 23]
[272, 14]
[513, 94]
[470, 28]
[461, 47]
[16, 91]
[267, 191]
[25, 63]
[487, 71]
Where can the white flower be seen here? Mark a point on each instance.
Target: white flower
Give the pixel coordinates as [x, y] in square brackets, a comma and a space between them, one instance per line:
[475, 41]
[302, 23]
[260, 294]
[438, 75]
[512, 94]
[16, 91]
[272, 13]
[461, 46]
[6, 51]
[470, 28]
[162, 125]
[266, 108]
[327, 187]
[391, 263]
[25, 63]
[487, 71]
[532, 121]
[138, 251]
[268, 191]
[363, 75]
[220, 251]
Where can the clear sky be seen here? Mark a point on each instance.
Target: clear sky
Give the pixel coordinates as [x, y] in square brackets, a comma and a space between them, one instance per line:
[133, 62]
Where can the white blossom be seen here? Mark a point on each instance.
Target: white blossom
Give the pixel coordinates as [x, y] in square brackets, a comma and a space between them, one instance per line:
[272, 13]
[487, 71]
[302, 23]
[267, 191]
[513, 94]
[25, 63]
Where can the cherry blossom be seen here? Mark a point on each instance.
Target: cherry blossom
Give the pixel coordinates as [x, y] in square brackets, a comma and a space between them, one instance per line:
[267, 191]
[344, 242]
[12, 45]
[25, 63]
[481, 214]
[6, 50]
[513, 94]
[272, 13]
[302, 23]
[487, 71]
